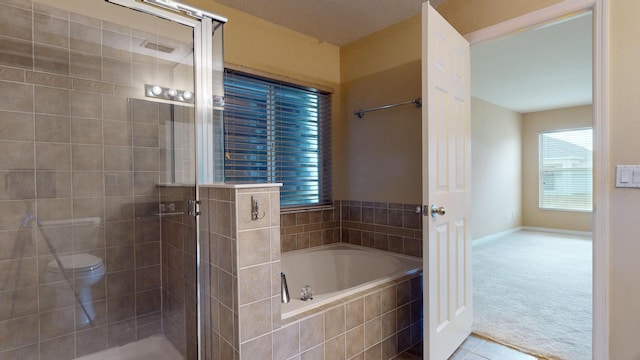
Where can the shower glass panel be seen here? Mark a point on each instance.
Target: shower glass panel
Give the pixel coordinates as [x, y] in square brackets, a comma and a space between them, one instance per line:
[97, 136]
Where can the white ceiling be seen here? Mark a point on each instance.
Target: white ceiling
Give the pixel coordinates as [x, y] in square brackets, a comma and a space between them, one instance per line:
[337, 22]
[540, 69]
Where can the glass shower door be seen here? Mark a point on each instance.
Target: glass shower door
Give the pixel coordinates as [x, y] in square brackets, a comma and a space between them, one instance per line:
[98, 164]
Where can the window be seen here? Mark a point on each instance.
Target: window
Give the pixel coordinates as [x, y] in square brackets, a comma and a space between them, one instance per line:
[277, 132]
[566, 170]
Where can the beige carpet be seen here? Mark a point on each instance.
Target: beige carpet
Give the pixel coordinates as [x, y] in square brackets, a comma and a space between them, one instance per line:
[532, 291]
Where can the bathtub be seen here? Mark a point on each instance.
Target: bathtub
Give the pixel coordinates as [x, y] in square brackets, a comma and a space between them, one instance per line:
[339, 271]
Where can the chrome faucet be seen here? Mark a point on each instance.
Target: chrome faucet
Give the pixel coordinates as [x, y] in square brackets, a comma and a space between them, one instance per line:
[284, 290]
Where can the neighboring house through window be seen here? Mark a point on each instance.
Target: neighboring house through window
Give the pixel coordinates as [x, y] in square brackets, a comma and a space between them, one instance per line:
[278, 133]
[566, 170]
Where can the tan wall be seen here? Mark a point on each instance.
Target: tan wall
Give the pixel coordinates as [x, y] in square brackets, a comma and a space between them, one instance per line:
[382, 150]
[624, 148]
[532, 124]
[496, 169]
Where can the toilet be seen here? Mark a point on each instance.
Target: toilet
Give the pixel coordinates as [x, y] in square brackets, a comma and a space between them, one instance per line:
[83, 270]
[86, 270]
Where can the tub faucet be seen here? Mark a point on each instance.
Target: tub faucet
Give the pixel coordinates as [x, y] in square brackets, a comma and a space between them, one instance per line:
[284, 290]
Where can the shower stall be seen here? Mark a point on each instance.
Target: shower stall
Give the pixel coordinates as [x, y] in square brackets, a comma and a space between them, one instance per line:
[110, 115]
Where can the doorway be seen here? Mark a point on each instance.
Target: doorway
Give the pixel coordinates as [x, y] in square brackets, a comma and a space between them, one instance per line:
[515, 191]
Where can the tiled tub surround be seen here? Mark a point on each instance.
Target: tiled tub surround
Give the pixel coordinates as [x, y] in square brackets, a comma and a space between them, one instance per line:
[383, 226]
[377, 323]
[72, 149]
[242, 307]
[309, 228]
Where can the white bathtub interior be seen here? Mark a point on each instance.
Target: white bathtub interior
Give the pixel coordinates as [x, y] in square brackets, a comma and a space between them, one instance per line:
[337, 271]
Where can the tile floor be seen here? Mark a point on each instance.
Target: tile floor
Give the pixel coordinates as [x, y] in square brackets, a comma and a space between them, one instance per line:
[474, 348]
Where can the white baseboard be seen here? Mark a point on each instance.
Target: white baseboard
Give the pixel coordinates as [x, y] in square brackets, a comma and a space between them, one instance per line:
[558, 231]
[491, 237]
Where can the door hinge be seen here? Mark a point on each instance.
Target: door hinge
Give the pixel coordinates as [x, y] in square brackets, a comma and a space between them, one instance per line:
[193, 207]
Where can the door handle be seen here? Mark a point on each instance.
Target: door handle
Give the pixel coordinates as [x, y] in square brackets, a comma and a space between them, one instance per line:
[435, 210]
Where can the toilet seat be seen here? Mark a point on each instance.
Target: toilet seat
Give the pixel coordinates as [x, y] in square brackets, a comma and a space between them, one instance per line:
[77, 263]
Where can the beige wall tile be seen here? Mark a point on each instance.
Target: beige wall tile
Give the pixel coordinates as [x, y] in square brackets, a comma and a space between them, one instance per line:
[373, 353]
[52, 128]
[17, 184]
[317, 353]
[254, 247]
[255, 319]
[311, 332]
[93, 86]
[146, 159]
[118, 158]
[372, 332]
[51, 101]
[59, 348]
[116, 108]
[119, 258]
[335, 348]
[50, 156]
[16, 97]
[116, 45]
[85, 38]
[388, 323]
[86, 131]
[16, 53]
[56, 323]
[12, 74]
[51, 59]
[334, 322]
[85, 104]
[50, 30]
[116, 71]
[17, 244]
[12, 213]
[254, 283]
[87, 157]
[91, 340]
[259, 348]
[24, 271]
[15, 22]
[286, 342]
[18, 332]
[372, 306]
[354, 313]
[16, 126]
[18, 303]
[355, 341]
[117, 133]
[87, 183]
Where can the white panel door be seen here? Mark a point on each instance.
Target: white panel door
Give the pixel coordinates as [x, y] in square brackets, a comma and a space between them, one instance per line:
[446, 167]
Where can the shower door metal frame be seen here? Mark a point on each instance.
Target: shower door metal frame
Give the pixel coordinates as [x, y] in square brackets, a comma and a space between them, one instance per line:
[202, 24]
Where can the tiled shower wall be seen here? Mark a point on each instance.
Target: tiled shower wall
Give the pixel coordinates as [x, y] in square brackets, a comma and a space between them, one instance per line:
[179, 270]
[74, 147]
[384, 226]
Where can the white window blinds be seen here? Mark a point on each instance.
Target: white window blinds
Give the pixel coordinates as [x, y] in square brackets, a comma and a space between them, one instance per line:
[277, 132]
[566, 170]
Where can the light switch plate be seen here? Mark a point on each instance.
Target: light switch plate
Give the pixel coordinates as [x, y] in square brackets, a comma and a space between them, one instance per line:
[628, 176]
